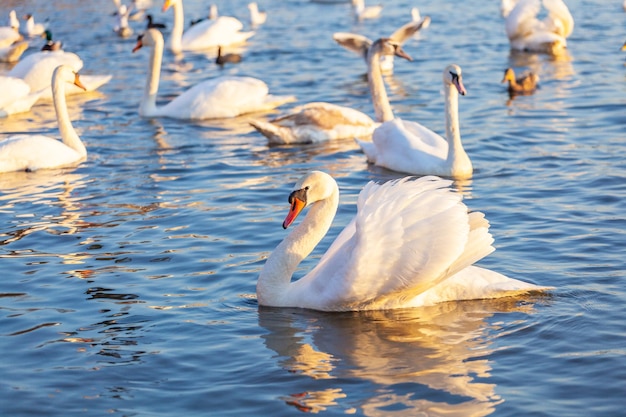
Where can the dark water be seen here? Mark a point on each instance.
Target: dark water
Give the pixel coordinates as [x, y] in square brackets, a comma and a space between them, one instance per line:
[128, 283]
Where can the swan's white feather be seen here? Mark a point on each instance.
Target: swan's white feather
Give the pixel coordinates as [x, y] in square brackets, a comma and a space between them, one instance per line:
[223, 31]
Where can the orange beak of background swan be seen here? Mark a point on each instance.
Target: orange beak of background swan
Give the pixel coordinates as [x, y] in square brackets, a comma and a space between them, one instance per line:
[77, 82]
[139, 44]
[297, 204]
[167, 4]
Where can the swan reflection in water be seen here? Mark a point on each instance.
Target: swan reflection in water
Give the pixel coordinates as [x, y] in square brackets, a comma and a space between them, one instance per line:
[441, 351]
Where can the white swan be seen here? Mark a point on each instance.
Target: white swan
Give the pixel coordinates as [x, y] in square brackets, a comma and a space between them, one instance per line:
[410, 147]
[10, 34]
[256, 17]
[217, 98]
[16, 96]
[411, 243]
[33, 152]
[527, 33]
[362, 12]
[319, 122]
[37, 68]
[33, 29]
[222, 31]
[121, 26]
[360, 44]
[13, 53]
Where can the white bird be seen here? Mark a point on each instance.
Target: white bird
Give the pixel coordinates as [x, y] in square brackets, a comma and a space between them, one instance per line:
[223, 31]
[221, 97]
[412, 243]
[10, 34]
[14, 22]
[121, 26]
[527, 33]
[37, 68]
[32, 152]
[319, 122]
[409, 147]
[360, 44]
[33, 29]
[16, 96]
[13, 52]
[256, 17]
[361, 12]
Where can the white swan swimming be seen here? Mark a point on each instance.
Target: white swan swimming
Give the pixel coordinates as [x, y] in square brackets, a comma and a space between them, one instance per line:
[412, 243]
[362, 12]
[409, 147]
[256, 17]
[360, 44]
[10, 34]
[37, 68]
[527, 33]
[217, 98]
[222, 31]
[16, 96]
[319, 121]
[121, 22]
[32, 29]
[27, 152]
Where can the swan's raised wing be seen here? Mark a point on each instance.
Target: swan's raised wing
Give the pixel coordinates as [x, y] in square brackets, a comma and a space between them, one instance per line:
[561, 17]
[358, 44]
[522, 20]
[405, 32]
[407, 236]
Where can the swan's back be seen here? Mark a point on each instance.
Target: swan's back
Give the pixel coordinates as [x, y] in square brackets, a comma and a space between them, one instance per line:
[225, 30]
[37, 68]
[33, 152]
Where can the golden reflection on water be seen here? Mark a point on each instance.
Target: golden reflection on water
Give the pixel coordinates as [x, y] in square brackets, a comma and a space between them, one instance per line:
[444, 348]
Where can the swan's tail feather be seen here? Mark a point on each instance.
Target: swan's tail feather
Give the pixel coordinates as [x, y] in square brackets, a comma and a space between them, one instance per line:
[271, 101]
[275, 134]
[15, 52]
[369, 149]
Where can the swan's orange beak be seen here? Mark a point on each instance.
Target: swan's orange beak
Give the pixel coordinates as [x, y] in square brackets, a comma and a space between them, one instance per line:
[167, 4]
[138, 45]
[296, 207]
[77, 82]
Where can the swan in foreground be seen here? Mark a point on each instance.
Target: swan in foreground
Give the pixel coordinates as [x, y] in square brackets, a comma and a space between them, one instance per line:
[224, 31]
[409, 147]
[360, 44]
[319, 122]
[524, 84]
[362, 12]
[256, 17]
[32, 152]
[37, 68]
[412, 243]
[16, 96]
[527, 33]
[217, 98]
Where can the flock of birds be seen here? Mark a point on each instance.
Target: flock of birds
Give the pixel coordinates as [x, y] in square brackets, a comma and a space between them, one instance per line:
[438, 239]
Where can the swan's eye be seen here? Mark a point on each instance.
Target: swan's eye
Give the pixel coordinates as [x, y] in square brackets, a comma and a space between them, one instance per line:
[454, 76]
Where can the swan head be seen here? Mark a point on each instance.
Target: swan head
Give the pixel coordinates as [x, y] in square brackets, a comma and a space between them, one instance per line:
[313, 187]
[168, 3]
[388, 47]
[149, 38]
[67, 74]
[452, 76]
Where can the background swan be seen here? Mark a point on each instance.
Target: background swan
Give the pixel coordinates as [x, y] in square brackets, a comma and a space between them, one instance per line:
[362, 12]
[33, 152]
[527, 33]
[360, 44]
[32, 29]
[10, 34]
[410, 147]
[217, 98]
[37, 68]
[411, 243]
[16, 96]
[256, 17]
[318, 122]
[224, 31]
[13, 53]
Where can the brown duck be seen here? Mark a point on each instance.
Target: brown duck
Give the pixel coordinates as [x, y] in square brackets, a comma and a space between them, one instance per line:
[526, 84]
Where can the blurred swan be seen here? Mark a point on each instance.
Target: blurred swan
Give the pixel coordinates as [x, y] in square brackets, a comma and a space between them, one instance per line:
[121, 27]
[525, 84]
[361, 12]
[410, 147]
[224, 31]
[217, 98]
[360, 44]
[33, 29]
[527, 33]
[412, 243]
[37, 68]
[319, 122]
[16, 96]
[13, 52]
[256, 17]
[32, 152]
[10, 34]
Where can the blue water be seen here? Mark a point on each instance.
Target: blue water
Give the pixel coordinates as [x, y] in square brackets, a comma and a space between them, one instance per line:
[128, 282]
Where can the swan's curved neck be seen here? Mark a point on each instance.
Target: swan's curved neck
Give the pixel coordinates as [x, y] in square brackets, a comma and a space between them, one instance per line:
[176, 37]
[382, 108]
[456, 153]
[68, 134]
[148, 105]
[274, 279]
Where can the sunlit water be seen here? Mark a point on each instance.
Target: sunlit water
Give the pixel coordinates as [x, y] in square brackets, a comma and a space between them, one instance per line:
[128, 282]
